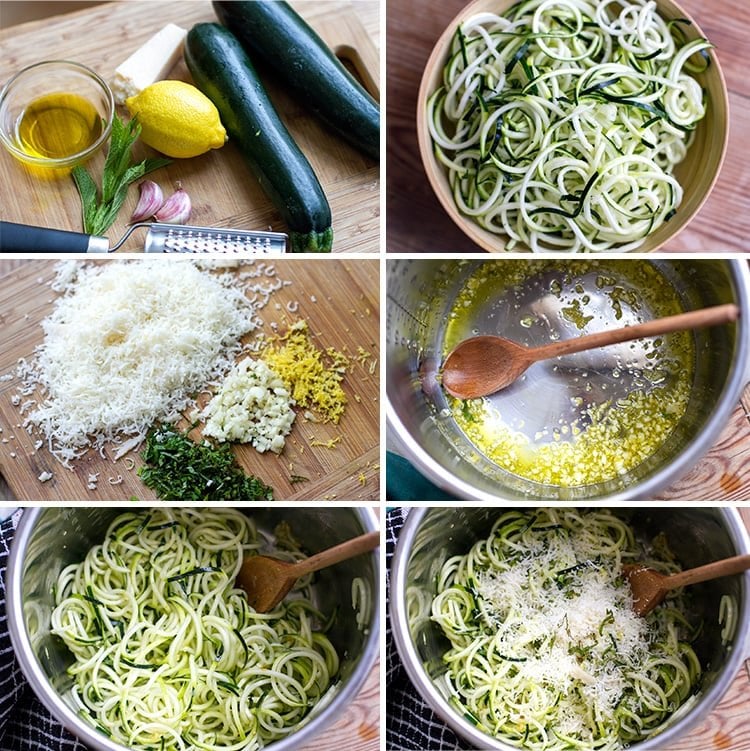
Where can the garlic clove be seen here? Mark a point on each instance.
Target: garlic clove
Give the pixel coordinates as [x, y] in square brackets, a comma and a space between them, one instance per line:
[176, 209]
[149, 202]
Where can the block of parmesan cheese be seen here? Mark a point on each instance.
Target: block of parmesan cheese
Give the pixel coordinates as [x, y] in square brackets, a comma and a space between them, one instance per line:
[149, 63]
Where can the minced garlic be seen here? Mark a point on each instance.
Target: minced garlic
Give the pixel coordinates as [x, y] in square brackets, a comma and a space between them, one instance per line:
[618, 438]
[252, 406]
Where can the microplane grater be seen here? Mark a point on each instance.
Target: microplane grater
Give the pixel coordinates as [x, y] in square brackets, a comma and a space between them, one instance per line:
[160, 238]
[182, 238]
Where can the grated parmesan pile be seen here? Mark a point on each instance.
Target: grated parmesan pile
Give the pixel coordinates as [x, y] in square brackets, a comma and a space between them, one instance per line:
[573, 628]
[129, 343]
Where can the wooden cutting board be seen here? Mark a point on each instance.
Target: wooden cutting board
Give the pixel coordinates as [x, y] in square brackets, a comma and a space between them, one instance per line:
[223, 191]
[339, 300]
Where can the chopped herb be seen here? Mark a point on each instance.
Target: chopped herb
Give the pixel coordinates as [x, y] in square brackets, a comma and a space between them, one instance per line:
[139, 665]
[100, 212]
[610, 619]
[298, 478]
[179, 469]
[194, 572]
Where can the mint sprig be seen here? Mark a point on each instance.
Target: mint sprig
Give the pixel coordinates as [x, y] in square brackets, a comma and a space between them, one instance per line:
[100, 212]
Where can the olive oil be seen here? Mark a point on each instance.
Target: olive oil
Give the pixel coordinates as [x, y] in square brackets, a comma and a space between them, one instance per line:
[58, 125]
[582, 421]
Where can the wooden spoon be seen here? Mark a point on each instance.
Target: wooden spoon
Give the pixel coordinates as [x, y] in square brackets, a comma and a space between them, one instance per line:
[267, 580]
[483, 365]
[649, 587]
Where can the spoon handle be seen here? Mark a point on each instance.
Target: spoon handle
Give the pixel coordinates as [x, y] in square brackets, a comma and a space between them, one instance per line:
[341, 552]
[726, 567]
[694, 319]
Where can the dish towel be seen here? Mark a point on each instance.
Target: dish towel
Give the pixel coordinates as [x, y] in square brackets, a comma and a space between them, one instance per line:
[404, 484]
[25, 723]
[410, 724]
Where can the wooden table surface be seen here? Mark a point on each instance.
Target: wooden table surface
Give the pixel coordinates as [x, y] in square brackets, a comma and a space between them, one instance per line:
[417, 223]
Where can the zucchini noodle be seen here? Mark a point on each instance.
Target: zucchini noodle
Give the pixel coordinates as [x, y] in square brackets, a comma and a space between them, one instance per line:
[546, 651]
[561, 122]
[169, 655]
[361, 602]
[727, 618]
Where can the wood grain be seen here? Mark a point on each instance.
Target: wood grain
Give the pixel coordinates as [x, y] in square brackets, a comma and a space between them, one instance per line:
[723, 474]
[338, 298]
[359, 725]
[417, 223]
[223, 191]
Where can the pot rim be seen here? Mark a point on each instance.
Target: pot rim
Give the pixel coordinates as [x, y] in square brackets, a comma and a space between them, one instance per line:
[646, 488]
[740, 538]
[96, 741]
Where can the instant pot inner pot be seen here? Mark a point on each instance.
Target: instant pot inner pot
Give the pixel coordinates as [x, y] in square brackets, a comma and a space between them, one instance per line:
[64, 536]
[695, 536]
[422, 296]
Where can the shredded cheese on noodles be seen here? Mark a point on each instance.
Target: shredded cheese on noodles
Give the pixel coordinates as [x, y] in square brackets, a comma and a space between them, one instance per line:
[546, 651]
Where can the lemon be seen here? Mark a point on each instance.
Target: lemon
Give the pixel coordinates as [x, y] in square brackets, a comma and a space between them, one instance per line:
[177, 119]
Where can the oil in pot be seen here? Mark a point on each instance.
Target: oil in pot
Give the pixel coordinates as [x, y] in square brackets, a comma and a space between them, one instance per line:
[584, 418]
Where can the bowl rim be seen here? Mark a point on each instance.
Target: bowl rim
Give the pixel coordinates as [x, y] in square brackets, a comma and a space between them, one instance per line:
[330, 707]
[492, 242]
[407, 652]
[72, 159]
[646, 488]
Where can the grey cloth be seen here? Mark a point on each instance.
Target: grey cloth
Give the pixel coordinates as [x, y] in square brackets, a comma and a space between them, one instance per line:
[25, 723]
[410, 724]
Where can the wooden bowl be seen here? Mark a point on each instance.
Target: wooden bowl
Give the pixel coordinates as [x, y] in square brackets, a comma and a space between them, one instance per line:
[697, 173]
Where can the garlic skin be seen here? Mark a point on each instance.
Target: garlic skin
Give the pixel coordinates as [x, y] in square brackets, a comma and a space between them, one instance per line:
[149, 202]
[176, 209]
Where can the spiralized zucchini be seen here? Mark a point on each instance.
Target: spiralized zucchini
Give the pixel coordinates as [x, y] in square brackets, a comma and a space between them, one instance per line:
[560, 123]
[546, 651]
[727, 618]
[168, 654]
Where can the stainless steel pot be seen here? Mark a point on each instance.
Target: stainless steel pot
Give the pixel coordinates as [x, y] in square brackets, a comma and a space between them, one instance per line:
[421, 294]
[49, 539]
[695, 535]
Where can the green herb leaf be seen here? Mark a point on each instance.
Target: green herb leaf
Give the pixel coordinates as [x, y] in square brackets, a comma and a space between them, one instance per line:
[99, 214]
[88, 192]
[179, 469]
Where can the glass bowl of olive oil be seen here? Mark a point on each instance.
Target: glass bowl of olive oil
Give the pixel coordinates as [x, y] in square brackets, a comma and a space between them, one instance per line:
[55, 114]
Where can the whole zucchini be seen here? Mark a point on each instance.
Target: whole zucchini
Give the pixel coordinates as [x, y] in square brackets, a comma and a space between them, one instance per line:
[272, 33]
[223, 72]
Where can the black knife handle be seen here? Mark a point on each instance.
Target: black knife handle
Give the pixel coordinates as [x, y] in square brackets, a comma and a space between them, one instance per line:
[23, 238]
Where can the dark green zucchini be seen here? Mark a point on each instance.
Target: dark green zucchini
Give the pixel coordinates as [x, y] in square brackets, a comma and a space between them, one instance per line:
[223, 72]
[273, 34]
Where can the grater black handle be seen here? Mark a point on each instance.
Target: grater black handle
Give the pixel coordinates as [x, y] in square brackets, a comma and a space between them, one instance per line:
[23, 238]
